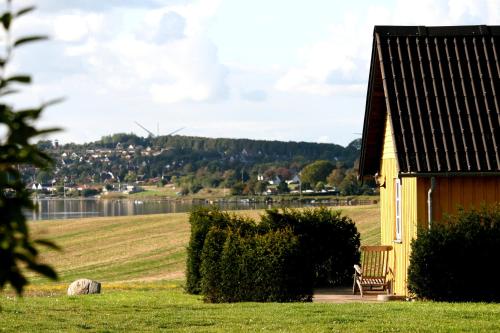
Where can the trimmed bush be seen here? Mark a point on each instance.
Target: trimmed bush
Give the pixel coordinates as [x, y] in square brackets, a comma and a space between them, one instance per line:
[232, 259]
[458, 261]
[260, 267]
[329, 240]
[210, 268]
[201, 220]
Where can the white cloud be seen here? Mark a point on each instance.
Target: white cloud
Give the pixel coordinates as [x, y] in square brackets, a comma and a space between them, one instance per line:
[334, 65]
[162, 51]
[70, 28]
[254, 95]
[338, 65]
[194, 72]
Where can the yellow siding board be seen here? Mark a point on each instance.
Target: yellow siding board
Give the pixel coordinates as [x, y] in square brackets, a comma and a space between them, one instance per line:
[450, 194]
[409, 229]
[388, 174]
[389, 149]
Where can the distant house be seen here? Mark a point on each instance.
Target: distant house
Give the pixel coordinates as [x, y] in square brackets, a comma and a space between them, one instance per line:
[37, 187]
[275, 181]
[294, 180]
[129, 189]
[271, 191]
[431, 128]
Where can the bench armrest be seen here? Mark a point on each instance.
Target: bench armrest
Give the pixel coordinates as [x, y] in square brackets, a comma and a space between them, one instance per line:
[358, 270]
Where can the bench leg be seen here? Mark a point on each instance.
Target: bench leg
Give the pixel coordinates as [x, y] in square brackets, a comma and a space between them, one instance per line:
[360, 288]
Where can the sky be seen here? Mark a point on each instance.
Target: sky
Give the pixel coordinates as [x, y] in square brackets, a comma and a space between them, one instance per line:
[289, 70]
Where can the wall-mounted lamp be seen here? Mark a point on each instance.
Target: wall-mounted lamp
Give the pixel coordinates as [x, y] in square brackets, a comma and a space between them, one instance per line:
[379, 181]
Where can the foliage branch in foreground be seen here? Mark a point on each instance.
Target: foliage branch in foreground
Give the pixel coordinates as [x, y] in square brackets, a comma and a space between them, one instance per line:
[17, 249]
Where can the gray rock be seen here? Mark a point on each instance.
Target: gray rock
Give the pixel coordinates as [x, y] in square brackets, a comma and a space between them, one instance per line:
[83, 287]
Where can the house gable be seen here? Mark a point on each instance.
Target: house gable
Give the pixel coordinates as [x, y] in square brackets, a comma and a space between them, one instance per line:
[432, 117]
[440, 87]
[389, 148]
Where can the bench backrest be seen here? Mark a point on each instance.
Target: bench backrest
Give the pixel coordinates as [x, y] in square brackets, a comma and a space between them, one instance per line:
[375, 260]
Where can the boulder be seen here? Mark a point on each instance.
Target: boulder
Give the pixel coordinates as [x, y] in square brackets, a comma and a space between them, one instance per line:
[83, 287]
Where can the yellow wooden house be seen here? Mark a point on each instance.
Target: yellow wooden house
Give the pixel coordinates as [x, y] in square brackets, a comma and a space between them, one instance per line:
[431, 128]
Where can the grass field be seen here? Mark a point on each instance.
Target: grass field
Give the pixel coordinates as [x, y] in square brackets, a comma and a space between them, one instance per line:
[170, 192]
[140, 262]
[162, 307]
[140, 248]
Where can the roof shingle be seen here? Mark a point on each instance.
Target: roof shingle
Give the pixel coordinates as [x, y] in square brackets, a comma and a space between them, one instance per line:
[441, 88]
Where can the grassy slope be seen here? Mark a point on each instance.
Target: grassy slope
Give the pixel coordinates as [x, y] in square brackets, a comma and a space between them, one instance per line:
[150, 247]
[117, 248]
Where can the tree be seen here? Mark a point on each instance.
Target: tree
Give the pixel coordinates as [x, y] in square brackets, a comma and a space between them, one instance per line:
[316, 172]
[17, 248]
[336, 177]
[319, 186]
[250, 187]
[237, 188]
[195, 187]
[44, 177]
[350, 185]
[44, 144]
[230, 178]
[260, 187]
[131, 177]
[283, 188]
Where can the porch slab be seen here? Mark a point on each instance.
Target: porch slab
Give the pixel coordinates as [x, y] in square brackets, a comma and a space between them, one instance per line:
[344, 295]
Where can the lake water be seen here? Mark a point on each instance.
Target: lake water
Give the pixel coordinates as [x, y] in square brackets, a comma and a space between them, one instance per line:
[51, 209]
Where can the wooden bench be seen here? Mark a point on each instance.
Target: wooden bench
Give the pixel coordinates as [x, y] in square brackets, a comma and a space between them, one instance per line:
[374, 269]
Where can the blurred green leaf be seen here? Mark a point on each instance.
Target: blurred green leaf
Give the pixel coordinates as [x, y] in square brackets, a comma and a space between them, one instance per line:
[18, 281]
[44, 270]
[19, 79]
[24, 11]
[6, 20]
[47, 243]
[48, 130]
[53, 102]
[24, 40]
[9, 92]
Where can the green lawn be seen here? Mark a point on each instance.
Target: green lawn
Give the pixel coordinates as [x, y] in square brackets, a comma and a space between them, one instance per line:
[164, 307]
[140, 261]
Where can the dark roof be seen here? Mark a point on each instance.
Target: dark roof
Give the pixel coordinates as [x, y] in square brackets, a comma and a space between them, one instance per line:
[441, 87]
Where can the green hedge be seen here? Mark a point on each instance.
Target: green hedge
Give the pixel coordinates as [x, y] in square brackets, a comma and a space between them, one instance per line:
[201, 220]
[330, 241]
[231, 258]
[458, 261]
[254, 267]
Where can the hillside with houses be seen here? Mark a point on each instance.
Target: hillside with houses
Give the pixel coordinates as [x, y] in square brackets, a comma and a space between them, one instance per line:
[124, 162]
